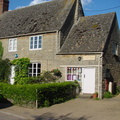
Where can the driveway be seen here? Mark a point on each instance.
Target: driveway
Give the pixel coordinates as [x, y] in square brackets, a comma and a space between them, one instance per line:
[78, 109]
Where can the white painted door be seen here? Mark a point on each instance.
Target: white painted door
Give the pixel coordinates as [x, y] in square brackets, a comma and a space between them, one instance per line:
[12, 75]
[88, 80]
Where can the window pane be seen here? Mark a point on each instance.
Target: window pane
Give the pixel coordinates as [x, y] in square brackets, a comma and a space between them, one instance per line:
[36, 38]
[35, 65]
[74, 73]
[40, 37]
[31, 43]
[38, 71]
[35, 46]
[34, 71]
[39, 65]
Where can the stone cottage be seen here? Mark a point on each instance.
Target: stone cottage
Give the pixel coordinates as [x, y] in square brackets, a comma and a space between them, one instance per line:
[56, 34]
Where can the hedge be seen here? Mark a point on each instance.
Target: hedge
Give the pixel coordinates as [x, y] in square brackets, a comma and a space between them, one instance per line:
[42, 95]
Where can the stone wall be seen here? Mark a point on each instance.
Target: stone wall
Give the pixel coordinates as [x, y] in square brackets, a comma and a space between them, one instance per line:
[111, 62]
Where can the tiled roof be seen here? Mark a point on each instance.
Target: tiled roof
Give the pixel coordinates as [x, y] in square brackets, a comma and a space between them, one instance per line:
[37, 18]
[89, 34]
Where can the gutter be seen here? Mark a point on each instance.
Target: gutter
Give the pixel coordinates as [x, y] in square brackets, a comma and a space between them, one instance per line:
[78, 53]
[28, 34]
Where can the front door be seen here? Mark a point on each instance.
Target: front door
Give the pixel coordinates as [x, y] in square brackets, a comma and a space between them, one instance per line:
[88, 80]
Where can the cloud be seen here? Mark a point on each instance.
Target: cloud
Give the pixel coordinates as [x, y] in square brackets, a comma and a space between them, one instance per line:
[86, 2]
[38, 2]
[33, 2]
[20, 7]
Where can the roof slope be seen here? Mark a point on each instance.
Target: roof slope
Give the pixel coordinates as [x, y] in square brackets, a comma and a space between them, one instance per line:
[38, 18]
[88, 35]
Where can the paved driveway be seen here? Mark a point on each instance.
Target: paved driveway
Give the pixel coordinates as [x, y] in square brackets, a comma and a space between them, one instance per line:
[78, 109]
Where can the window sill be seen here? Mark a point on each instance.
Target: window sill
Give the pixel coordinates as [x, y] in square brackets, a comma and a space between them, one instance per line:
[35, 49]
[12, 51]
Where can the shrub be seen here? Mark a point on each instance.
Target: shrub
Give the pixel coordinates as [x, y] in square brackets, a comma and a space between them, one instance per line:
[108, 95]
[45, 94]
[21, 68]
[1, 98]
[118, 90]
[45, 77]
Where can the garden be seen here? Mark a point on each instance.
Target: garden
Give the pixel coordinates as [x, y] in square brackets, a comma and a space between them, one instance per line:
[33, 92]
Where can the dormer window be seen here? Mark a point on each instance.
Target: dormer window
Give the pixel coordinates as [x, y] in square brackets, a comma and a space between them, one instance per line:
[115, 49]
[35, 42]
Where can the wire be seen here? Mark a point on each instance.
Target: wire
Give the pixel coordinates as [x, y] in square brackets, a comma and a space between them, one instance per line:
[103, 9]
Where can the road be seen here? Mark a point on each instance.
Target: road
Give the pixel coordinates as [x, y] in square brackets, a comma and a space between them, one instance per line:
[78, 109]
[9, 116]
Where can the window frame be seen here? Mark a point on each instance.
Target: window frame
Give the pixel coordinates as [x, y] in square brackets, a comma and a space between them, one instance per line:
[12, 45]
[74, 73]
[33, 44]
[34, 69]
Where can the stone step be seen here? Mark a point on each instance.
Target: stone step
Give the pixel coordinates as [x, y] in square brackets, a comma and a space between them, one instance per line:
[85, 96]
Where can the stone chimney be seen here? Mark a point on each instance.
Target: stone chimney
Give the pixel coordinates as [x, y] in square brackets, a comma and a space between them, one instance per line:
[79, 11]
[4, 5]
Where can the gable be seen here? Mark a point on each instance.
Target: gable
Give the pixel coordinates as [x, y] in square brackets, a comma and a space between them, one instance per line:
[38, 18]
[89, 34]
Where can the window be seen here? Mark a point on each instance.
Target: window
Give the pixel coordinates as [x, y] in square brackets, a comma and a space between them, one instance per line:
[34, 69]
[13, 44]
[74, 73]
[115, 49]
[35, 42]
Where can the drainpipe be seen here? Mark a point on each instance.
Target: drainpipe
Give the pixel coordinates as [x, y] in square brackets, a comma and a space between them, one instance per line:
[100, 76]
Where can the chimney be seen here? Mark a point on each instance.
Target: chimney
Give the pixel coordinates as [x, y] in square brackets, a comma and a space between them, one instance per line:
[4, 5]
[79, 11]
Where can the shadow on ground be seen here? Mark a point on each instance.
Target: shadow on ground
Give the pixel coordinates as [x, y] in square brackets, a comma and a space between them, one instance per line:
[4, 103]
[50, 116]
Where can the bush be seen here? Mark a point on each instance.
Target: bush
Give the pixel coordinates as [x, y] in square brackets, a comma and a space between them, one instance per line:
[45, 94]
[108, 95]
[45, 77]
[1, 98]
[118, 90]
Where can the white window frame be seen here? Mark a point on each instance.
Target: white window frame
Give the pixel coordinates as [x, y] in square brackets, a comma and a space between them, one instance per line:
[32, 42]
[115, 49]
[12, 45]
[36, 68]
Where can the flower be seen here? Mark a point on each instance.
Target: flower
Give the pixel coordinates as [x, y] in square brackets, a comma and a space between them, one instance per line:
[56, 72]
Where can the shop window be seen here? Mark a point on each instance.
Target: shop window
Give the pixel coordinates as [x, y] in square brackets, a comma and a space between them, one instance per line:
[74, 73]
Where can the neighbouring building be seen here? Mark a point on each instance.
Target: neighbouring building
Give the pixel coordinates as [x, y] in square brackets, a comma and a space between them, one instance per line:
[56, 34]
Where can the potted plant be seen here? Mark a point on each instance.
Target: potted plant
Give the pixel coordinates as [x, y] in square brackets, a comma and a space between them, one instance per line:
[56, 72]
[95, 95]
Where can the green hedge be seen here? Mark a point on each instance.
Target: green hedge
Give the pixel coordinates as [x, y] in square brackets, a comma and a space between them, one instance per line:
[45, 94]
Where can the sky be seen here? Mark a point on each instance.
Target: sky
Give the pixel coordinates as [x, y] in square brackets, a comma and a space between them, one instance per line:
[90, 7]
